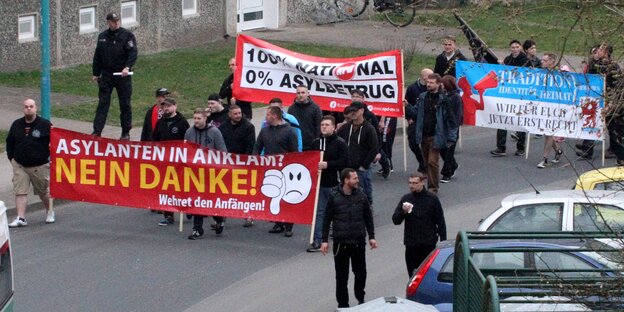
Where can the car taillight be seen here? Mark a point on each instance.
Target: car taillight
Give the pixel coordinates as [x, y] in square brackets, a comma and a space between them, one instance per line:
[420, 274]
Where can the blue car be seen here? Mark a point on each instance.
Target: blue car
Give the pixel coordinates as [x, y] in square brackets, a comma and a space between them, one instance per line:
[432, 282]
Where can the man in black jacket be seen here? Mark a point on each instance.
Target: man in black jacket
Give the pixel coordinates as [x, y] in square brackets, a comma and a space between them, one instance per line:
[239, 134]
[218, 113]
[240, 137]
[226, 92]
[335, 159]
[27, 148]
[361, 138]
[116, 52]
[309, 116]
[424, 221]
[172, 126]
[445, 62]
[350, 213]
[411, 96]
[516, 58]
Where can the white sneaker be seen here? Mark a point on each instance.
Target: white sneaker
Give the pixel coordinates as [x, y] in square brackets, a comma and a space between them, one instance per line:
[50, 217]
[543, 163]
[18, 222]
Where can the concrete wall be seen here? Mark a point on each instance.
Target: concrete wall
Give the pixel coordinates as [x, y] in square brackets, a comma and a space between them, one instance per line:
[160, 27]
[302, 11]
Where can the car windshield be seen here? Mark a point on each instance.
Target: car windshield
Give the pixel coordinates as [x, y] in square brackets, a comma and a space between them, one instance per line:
[541, 217]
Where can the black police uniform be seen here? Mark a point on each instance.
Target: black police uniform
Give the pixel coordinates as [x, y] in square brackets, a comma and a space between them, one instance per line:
[115, 51]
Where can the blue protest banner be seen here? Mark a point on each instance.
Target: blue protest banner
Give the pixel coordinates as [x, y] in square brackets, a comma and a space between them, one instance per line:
[540, 101]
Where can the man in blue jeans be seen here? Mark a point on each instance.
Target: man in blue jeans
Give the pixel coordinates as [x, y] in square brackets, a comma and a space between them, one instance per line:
[361, 138]
[335, 158]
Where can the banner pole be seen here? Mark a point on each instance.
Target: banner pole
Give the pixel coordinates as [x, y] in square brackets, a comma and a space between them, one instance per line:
[528, 143]
[404, 125]
[404, 144]
[604, 148]
[318, 189]
[181, 221]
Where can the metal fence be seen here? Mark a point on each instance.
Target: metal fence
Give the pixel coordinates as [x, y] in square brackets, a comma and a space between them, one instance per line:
[480, 288]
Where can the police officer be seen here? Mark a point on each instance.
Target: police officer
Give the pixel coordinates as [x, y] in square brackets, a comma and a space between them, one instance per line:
[116, 52]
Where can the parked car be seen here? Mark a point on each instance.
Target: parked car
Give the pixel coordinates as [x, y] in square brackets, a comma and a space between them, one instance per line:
[564, 210]
[432, 282]
[610, 178]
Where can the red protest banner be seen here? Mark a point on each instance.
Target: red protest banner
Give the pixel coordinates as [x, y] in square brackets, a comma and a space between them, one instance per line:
[265, 71]
[180, 176]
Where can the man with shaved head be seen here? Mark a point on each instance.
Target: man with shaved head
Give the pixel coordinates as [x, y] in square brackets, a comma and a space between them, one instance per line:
[28, 150]
[411, 96]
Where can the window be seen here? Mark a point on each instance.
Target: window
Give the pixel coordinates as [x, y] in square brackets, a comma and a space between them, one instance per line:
[609, 186]
[545, 217]
[548, 262]
[596, 217]
[129, 13]
[252, 16]
[27, 30]
[189, 7]
[499, 260]
[504, 262]
[87, 20]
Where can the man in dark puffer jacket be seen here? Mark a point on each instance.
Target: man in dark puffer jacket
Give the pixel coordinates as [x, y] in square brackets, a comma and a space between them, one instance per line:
[350, 212]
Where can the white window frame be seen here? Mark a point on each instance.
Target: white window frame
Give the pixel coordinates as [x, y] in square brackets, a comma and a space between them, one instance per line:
[27, 36]
[87, 28]
[129, 21]
[189, 12]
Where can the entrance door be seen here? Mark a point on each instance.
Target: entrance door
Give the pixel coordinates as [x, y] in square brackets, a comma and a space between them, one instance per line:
[254, 14]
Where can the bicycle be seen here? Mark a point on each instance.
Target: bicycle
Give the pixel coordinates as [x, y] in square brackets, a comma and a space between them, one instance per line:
[399, 13]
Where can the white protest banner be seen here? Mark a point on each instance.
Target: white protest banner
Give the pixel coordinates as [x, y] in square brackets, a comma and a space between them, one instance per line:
[265, 71]
[532, 100]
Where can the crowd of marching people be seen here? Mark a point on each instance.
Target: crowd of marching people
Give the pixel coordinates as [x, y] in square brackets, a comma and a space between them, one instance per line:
[352, 141]
[433, 115]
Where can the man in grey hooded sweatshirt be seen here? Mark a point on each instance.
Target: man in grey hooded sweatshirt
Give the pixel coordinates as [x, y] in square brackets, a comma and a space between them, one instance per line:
[208, 136]
[277, 138]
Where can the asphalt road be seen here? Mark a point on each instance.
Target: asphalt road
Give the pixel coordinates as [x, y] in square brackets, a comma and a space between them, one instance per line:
[105, 258]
